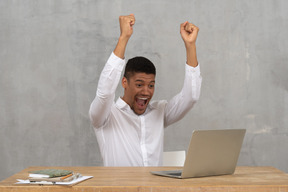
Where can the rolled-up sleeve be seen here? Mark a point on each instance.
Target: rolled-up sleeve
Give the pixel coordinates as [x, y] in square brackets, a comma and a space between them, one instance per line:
[182, 103]
[109, 79]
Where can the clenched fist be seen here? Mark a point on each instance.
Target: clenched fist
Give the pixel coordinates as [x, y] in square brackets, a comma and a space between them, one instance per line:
[189, 33]
[126, 25]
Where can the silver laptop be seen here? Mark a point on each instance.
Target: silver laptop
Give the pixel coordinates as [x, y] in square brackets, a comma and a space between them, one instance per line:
[210, 153]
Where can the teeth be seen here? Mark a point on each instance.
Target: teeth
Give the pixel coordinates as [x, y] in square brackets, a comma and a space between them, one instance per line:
[142, 98]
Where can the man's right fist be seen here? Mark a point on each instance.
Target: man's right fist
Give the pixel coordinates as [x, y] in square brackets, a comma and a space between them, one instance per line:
[126, 25]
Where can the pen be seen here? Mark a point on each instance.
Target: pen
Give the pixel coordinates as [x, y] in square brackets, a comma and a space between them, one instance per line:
[62, 178]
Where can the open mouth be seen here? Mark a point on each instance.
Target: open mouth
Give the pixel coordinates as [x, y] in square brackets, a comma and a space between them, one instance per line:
[141, 101]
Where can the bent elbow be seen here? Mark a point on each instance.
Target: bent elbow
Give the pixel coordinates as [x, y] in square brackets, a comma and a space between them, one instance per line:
[93, 117]
[98, 113]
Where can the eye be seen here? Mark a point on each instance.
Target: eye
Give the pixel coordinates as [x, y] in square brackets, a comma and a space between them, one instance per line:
[138, 85]
[151, 86]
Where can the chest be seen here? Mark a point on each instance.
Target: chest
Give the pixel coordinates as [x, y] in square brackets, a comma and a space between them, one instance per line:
[148, 126]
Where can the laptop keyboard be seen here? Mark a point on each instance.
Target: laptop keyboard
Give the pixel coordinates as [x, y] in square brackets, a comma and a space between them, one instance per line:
[174, 172]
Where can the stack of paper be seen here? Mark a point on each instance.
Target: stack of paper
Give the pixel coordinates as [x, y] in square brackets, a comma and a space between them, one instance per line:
[53, 177]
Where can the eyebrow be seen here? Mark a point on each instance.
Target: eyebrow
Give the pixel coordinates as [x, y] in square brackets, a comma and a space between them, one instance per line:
[139, 80]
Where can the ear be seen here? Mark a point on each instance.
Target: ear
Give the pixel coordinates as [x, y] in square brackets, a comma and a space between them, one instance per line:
[124, 82]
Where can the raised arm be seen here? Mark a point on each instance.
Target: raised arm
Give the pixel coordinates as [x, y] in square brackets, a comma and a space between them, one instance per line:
[189, 33]
[110, 76]
[126, 30]
[180, 104]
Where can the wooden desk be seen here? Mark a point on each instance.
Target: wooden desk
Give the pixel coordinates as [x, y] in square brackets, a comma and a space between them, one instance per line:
[132, 179]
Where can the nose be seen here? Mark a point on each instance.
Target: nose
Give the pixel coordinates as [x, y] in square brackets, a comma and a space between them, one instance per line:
[145, 90]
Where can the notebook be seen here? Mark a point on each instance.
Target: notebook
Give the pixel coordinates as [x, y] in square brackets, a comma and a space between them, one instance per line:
[210, 153]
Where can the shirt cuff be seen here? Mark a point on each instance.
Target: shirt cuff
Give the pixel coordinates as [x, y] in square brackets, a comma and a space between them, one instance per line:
[116, 61]
[189, 69]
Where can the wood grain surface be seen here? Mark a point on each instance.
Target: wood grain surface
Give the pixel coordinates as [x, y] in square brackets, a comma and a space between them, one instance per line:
[130, 179]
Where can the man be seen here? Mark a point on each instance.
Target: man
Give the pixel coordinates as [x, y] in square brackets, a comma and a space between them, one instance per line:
[130, 131]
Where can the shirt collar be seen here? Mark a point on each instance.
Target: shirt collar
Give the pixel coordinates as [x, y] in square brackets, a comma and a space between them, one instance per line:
[121, 104]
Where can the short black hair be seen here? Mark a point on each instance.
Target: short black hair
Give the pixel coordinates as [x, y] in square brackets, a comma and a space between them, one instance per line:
[139, 65]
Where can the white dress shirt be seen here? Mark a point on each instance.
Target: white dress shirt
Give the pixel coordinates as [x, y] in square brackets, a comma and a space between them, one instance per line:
[128, 139]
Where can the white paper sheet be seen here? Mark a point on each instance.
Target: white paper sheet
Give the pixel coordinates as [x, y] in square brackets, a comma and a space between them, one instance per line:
[83, 178]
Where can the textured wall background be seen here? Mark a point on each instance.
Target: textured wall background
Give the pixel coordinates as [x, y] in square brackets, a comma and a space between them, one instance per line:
[52, 53]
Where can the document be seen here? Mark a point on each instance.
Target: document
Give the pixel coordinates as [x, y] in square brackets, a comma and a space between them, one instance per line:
[73, 182]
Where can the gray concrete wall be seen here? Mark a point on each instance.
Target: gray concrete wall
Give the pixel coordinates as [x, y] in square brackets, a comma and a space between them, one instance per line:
[52, 53]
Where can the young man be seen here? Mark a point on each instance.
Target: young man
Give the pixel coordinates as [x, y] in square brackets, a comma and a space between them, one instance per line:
[130, 131]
